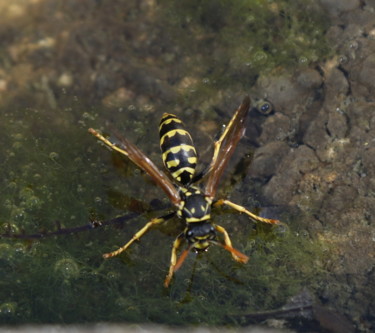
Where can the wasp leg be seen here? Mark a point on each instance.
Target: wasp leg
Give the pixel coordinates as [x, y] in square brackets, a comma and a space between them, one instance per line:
[176, 245]
[139, 234]
[107, 142]
[242, 209]
[240, 257]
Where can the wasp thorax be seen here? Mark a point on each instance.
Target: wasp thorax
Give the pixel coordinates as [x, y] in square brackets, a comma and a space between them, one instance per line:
[197, 207]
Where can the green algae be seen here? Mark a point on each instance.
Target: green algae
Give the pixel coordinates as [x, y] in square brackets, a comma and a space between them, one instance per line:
[55, 175]
[238, 40]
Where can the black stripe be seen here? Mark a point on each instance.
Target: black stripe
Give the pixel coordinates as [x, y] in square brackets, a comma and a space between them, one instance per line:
[164, 128]
[185, 154]
[181, 166]
[167, 116]
[175, 141]
[185, 178]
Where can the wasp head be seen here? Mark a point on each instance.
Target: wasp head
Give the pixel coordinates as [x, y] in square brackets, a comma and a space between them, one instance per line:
[200, 235]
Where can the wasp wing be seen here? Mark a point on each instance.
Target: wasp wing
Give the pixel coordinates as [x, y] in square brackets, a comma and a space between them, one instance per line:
[142, 161]
[226, 145]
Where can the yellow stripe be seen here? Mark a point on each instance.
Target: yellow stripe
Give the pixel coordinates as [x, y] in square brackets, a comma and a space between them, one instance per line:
[172, 163]
[166, 114]
[164, 121]
[170, 120]
[201, 245]
[173, 133]
[178, 172]
[198, 219]
[192, 160]
[177, 149]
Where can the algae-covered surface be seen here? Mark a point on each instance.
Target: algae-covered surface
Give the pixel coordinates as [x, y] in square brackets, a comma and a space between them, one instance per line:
[66, 66]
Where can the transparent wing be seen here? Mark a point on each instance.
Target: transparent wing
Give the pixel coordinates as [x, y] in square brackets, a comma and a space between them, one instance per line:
[142, 161]
[225, 146]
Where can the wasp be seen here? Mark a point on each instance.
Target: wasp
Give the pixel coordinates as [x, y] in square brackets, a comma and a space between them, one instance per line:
[193, 203]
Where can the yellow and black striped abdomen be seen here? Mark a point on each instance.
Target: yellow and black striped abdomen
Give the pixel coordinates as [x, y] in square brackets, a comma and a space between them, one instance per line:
[178, 152]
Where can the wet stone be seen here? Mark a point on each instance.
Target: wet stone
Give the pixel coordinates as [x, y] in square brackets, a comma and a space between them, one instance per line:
[284, 91]
[362, 114]
[267, 159]
[337, 124]
[316, 134]
[275, 128]
[283, 186]
[369, 162]
[309, 78]
[361, 68]
[367, 73]
[341, 198]
[336, 8]
[336, 83]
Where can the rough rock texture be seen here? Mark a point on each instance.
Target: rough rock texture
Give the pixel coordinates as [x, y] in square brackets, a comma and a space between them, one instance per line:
[320, 147]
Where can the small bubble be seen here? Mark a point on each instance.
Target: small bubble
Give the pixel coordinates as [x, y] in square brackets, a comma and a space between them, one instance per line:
[131, 107]
[260, 56]
[5, 251]
[18, 136]
[98, 200]
[148, 107]
[250, 19]
[8, 308]
[12, 185]
[17, 145]
[20, 248]
[80, 188]
[354, 45]
[26, 193]
[343, 59]
[9, 228]
[338, 110]
[7, 204]
[303, 60]
[112, 275]
[53, 156]
[67, 268]
[123, 302]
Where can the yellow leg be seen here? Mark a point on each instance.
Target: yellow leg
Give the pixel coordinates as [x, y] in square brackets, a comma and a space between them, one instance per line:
[242, 209]
[138, 235]
[176, 245]
[107, 142]
[243, 258]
